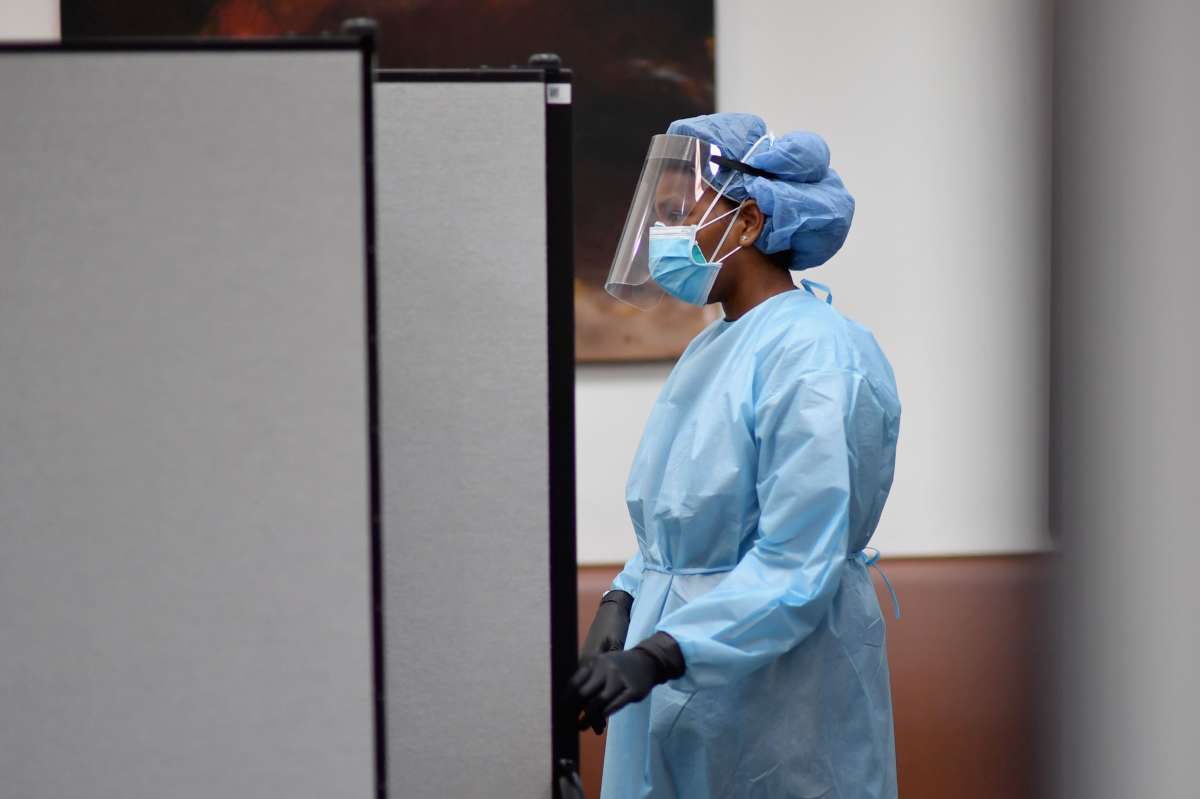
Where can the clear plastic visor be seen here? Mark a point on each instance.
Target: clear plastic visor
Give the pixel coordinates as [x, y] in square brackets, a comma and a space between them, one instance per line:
[674, 179]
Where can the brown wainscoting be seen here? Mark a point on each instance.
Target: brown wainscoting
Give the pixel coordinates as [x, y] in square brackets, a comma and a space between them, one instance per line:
[965, 659]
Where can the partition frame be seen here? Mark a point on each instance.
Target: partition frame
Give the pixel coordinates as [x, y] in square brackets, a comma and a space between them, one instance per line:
[560, 349]
[342, 43]
[560, 321]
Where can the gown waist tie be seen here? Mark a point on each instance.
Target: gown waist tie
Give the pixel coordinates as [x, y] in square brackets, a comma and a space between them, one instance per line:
[867, 556]
[872, 561]
[658, 567]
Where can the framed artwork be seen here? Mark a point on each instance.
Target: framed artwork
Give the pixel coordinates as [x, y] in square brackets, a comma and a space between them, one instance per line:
[637, 67]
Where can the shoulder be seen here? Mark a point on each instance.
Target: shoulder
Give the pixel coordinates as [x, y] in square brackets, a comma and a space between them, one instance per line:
[800, 332]
[805, 337]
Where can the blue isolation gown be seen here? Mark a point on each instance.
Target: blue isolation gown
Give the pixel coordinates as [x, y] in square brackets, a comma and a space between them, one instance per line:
[760, 477]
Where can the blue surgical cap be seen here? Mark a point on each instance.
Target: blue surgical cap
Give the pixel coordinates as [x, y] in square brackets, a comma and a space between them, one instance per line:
[807, 207]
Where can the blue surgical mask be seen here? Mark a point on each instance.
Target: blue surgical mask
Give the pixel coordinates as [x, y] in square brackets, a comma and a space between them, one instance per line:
[678, 264]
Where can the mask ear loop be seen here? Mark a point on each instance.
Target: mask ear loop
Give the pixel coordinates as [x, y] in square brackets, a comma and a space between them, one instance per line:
[736, 213]
[713, 221]
[716, 219]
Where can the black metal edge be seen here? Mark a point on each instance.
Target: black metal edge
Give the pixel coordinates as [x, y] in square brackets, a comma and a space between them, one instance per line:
[481, 75]
[171, 43]
[378, 670]
[560, 262]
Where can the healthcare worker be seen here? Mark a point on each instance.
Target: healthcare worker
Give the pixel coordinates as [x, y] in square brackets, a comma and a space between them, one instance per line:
[740, 653]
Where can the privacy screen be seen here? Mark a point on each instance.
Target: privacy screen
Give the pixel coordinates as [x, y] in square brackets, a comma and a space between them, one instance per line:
[466, 432]
[185, 536]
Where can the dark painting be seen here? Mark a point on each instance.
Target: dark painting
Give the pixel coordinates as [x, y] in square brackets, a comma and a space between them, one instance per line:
[637, 66]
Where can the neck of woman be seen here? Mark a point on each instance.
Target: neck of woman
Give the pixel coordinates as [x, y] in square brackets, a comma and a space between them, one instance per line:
[758, 279]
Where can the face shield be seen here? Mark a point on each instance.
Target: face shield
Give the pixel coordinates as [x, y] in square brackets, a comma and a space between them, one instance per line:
[676, 174]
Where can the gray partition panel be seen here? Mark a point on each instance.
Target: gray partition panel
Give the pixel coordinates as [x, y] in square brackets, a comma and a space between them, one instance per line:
[1126, 389]
[461, 177]
[184, 481]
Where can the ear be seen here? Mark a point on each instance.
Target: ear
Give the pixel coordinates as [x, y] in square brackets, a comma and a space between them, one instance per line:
[749, 224]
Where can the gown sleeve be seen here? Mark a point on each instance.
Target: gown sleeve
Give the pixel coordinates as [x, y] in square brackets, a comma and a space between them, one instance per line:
[782, 588]
[630, 578]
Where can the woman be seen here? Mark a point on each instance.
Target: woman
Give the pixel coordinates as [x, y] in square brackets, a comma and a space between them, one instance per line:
[756, 664]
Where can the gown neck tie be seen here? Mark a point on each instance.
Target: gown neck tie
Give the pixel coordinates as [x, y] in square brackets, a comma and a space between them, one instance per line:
[808, 286]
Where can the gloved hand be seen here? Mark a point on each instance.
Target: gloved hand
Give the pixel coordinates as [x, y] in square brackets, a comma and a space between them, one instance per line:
[611, 623]
[609, 681]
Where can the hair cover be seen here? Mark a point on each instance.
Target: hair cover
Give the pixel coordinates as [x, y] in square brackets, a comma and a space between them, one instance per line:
[808, 210]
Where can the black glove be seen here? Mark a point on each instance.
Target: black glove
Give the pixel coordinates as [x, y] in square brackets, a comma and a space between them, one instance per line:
[611, 680]
[607, 633]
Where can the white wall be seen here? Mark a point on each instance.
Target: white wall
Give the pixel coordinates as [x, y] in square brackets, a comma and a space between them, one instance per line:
[612, 403]
[28, 19]
[938, 116]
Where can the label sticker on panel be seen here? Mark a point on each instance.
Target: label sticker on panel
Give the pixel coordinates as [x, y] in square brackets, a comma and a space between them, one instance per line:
[558, 93]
